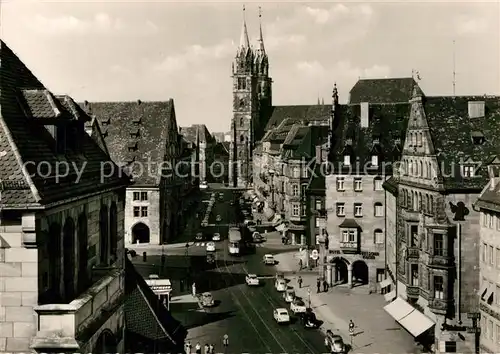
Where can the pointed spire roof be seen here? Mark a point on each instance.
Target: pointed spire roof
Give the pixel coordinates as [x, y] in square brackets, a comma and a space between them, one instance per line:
[244, 41]
[318, 101]
[322, 101]
[335, 93]
[261, 37]
[417, 92]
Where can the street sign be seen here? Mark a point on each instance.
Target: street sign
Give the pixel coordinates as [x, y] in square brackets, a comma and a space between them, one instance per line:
[315, 254]
[473, 330]
[474, 315]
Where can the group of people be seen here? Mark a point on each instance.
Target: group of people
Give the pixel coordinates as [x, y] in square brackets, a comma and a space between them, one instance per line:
[208, 349]
[319, 282]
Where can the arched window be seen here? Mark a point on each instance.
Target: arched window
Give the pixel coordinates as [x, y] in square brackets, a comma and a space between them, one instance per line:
[419, 139]
[378, 209]
[54, 246]
[113, 230]
[378, 237]
[242, 138]
[103, 235]
[426, 210]
[421, 168]
[242, 122]
[410, 200]
[424, 172]
[431, 209]
[69, 259]
[414, 139]
[410, 168]
[419, 201]
[83, 254]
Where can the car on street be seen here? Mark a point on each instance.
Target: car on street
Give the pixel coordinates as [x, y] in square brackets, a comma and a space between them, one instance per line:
[252, 280]
[289, 295]
[210, 247]
[199, 236]
[231, 203]
[218, 218]
[268, 259]
[298, 306]
[249, 222]
[257, 237]
[281, 315]
[216, 237]
[280, 285]
[203, 185]
[207, 300]
[334, 343]
[221, 196]
[204, 224]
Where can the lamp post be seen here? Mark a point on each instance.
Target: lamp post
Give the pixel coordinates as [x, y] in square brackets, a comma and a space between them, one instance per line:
[271, 173]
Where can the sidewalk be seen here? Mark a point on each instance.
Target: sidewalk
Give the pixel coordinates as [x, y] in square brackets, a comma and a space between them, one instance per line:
[375, 331]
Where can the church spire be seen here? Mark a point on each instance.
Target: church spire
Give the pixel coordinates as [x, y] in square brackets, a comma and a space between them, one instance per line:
[261, 37]
[244, 41]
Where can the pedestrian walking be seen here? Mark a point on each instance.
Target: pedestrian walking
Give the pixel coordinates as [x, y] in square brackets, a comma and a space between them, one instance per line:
[198, 348]
[193, 288]
[225, 340]
[318, 285]
[299, 281]
[325, 285]
[207, 349]
[211, 349]
[300, 264]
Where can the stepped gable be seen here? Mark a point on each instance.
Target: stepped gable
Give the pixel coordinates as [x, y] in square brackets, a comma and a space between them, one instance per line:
[28, 111]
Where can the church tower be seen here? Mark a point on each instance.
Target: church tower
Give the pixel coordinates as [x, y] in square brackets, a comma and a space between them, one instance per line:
[251, 102]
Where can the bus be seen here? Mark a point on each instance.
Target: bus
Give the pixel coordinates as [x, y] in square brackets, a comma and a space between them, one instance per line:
[234, 241]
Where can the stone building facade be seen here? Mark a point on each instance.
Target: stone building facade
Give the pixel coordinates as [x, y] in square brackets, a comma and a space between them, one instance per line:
[143, 139]
[200, 137]
[61, 234]
[450, 141]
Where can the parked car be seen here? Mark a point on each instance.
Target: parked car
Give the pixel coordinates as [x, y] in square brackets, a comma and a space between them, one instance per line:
[199, 236]
[257, 237]
[268, 259]
[207, 300]
[281, 315]
[289, 295]
[297, 306]
[280, 285]
[251, 279]
[204, 185]
[334, 343]
[216, 237]
[210, 247]
[218, 218]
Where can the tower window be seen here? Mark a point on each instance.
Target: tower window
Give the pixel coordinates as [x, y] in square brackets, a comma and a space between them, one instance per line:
[242, 122]
[477, 138]
[242, 138]
[242, 83]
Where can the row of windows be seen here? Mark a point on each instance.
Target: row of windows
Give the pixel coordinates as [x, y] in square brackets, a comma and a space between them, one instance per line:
[140, 212]
[490, 255]
[487, 331]
[416, 139]
[378, 209]
[140, 196]
[351, 235]
[296, 210]
[358, 184]
[296, 189]
[438, 288]
[415, 201]
[490, 220]
[490, 292]
[348, 159]
[418, 168]
[438, 248]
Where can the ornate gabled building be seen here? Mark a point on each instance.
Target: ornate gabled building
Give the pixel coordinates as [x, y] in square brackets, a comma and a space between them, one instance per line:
[61, 224]
[143, 139]
[199, 135]
[367, 137]
[450, 142]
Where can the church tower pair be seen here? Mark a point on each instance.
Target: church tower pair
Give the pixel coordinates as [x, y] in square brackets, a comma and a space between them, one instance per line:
[251, 105]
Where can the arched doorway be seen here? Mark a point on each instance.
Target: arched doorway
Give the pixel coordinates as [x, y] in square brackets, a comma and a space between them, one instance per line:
[340, 272]
[360, 273]
[140, 233]
[105, 344]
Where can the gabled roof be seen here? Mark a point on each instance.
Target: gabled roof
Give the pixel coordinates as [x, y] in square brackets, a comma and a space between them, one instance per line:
[452, 130]
[26, 109]
[145, 316]
[387, 123]
[195, 132]
[297, 114]
[391, 90]
[137, 132]
[221, 149]
[301, 141]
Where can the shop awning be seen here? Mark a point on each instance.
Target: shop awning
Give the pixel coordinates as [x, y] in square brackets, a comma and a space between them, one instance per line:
[390, 296]
[385, 283]
[483, 291]
[489, 295]
[268, 213]
[407, 316]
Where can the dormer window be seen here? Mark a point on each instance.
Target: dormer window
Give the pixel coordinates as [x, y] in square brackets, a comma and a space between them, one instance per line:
[106, 121]
[476, 109]
[468, 171]
[477, 138]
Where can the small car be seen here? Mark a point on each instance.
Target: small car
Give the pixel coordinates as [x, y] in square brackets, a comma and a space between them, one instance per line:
[216, 237]
[335, 342]
[280, 285]
[210, 247]
[268, 259]
[252, 280]
[298, 306]
[257, 237]
[281, 315]
[203, 185]
[199, 236]
[207, 300]
[289, 295]
[218, 218]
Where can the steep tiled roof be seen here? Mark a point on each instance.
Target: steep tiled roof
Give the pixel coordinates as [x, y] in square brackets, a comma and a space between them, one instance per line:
[297, 114]
[490, 196]
[26, 109]
[393, 90]
[301, 141]
[387, 123]
[221, 149]
[146, 316]
[452, 130]
[196, 131]
[137, 132]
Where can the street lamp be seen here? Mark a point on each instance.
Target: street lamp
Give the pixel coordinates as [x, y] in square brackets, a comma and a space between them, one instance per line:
[271, 173]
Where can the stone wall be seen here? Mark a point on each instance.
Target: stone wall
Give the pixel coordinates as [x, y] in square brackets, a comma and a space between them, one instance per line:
[152, 220]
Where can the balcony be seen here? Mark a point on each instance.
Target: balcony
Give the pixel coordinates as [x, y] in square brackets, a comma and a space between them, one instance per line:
[440, 306]
[412, 252]
[412, 291]
[349, 247]
[441, 261]
[60, 324]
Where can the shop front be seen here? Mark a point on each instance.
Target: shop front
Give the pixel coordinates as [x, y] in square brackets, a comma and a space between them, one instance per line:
[161, 288]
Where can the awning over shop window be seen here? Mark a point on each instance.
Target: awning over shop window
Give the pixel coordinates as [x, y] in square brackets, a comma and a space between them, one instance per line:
[385, 283]
[390, 296]
[268, 213]
[407, 316]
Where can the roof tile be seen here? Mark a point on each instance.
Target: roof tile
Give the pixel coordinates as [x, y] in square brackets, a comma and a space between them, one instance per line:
[391, 90]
